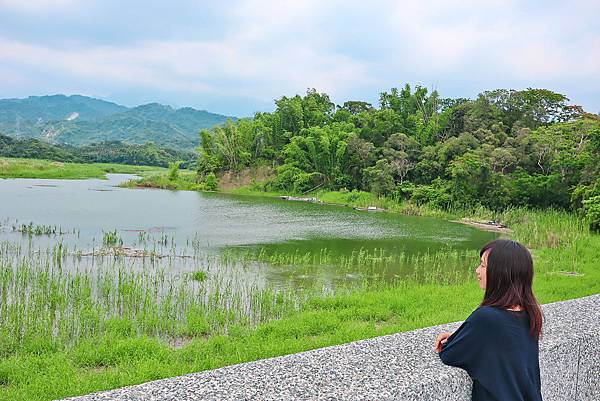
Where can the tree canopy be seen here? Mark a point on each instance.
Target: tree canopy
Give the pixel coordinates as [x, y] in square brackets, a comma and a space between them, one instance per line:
[504, 148]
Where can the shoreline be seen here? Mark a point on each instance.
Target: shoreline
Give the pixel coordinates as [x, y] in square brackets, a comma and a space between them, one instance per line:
[332, 198]
[487, 226]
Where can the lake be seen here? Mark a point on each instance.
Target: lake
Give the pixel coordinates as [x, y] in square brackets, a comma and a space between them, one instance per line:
[193, 225]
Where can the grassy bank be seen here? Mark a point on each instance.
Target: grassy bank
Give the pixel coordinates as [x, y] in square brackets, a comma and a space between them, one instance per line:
[185, 181]
[82, 332]
[34, 168]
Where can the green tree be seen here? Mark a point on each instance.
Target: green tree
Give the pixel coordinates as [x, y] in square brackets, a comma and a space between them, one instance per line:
[378, 178]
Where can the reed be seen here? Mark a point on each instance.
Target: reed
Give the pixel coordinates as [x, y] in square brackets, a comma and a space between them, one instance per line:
[74, 322]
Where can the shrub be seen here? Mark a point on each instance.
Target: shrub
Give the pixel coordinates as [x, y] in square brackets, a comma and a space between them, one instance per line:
[435, 194]
[210, 182]
[591, 209]
[174, 170]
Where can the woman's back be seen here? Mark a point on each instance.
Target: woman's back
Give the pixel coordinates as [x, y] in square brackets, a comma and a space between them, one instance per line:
[497, 350]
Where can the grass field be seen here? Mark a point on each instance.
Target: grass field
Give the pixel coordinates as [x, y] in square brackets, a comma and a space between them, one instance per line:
[80, 332]
[65, 339]
[34, 168]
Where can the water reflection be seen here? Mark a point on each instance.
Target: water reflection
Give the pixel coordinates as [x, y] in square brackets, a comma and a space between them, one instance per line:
[181, 228]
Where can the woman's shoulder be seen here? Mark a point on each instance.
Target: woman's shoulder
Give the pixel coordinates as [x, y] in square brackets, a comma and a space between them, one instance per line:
[485, 314]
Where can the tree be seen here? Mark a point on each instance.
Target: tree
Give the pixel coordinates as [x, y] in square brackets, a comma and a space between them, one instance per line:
[378, 178]
[591, 208]
[356, 107]
[402, 152]
[320, 150]
[503, 160]
[290, 115]
[317, 109]
[418, 111]
[361, 154]
[531, 107]
[469, 175]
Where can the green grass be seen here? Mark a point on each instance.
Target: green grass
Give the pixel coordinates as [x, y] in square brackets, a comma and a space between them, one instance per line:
[85, 331]
[63, 340]
[34, 168]
[186, 181]
[199, 275]
[365, 199]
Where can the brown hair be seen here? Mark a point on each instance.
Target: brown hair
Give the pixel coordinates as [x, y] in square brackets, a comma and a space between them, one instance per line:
[509, 277]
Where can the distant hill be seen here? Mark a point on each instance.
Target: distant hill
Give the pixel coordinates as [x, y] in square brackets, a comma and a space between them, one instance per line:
[80, 120]
[147, 154]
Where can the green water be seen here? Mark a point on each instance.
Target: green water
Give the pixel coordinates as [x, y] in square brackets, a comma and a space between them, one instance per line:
[197, 224]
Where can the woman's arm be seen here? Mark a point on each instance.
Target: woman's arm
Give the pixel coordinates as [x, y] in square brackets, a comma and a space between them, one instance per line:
[466, 347]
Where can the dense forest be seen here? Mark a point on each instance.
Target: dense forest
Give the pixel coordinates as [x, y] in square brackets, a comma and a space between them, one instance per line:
[147, 154]
[504, 148]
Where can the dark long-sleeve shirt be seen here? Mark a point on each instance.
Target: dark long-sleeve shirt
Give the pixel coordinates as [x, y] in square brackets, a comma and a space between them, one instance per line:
[495, 348]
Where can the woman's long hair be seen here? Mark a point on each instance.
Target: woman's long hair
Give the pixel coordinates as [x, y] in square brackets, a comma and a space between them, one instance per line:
[509, 277]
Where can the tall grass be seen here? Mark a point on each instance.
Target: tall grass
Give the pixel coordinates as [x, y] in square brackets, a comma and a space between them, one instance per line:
[363, 268]
[72, 324]
[41, 301]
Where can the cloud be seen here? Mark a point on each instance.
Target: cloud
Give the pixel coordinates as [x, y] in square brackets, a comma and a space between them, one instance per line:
[224, 68]
[39, 6]
[257, 50]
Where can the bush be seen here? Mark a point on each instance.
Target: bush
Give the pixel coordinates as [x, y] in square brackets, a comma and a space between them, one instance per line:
[174, 170]
[404, 191]
[540, 190]
[435, 195]
[591, 209]
[210, 182]
[291, 178]
[303, 182]
[286, 176]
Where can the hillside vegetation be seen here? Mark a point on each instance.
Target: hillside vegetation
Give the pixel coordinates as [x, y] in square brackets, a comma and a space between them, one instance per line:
[80, 120]
[147, 154]
[506, 148]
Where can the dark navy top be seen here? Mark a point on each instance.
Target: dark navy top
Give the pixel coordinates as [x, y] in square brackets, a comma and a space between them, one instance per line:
[495, 348]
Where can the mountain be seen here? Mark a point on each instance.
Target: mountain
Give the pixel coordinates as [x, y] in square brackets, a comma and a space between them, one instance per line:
[56, 107]
[81, 120]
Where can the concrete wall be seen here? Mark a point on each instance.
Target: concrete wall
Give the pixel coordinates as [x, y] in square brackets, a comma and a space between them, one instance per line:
[397, 367]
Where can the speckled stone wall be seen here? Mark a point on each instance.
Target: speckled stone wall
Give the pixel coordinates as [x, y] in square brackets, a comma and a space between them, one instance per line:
[402, 366]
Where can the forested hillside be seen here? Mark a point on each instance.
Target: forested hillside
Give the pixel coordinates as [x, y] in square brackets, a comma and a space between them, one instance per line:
[147, 154]
[504, 148]
[80, 120]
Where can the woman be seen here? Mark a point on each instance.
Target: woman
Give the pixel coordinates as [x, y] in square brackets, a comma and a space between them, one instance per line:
[498, 344]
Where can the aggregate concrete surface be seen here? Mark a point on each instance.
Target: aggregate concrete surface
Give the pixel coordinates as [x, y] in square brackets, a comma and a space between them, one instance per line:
[401, 366]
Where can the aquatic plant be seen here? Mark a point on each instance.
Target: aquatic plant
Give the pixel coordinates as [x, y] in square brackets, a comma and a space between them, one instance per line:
[199, 275]
[111, 239]
[38, 229]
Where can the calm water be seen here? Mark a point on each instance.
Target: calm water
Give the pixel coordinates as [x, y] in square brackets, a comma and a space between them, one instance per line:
[191, 223]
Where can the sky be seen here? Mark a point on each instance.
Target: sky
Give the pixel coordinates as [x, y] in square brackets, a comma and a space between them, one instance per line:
[236, 57]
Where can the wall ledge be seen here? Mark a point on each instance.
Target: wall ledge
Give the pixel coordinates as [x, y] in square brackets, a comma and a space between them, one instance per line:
[400, 366]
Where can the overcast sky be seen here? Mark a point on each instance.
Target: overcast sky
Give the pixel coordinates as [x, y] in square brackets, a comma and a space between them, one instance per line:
[235, 57]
